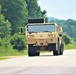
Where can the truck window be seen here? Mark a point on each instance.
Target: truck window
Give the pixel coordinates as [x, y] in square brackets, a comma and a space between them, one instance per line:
[48, 28]
[41, 28]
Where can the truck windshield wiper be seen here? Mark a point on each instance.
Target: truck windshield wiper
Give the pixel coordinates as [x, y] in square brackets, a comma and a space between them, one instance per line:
[32, 32]
[46, 31]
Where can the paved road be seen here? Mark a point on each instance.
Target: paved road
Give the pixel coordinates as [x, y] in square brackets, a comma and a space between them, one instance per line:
[43, 64]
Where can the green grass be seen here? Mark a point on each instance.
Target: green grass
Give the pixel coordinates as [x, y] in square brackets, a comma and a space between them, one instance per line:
[70, 46]
[13, 53]
[2, 58]
[8, 54]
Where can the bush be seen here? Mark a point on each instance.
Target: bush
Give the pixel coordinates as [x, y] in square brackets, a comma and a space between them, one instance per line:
[5, 45]
[6, 49]
[67, 39]
[74, 39]
[18, 42]
[70, 46]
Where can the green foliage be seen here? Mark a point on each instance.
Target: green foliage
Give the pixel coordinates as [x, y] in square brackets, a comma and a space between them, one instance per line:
[6, 49]
[5, 45]
[46, 19]
[15, 11]
[43, 13]
[18, 42]
[74, 39]
[4, 26]
[70, 46]
[67, 39]
[33, 8]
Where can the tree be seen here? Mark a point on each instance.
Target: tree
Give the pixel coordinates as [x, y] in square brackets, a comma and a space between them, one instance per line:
[34, 10]
[15, 11]
[43, 13]
[4, 26]
[18, 42]
[67, 39]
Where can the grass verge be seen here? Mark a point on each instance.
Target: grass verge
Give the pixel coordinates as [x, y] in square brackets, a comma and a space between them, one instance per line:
[11, 53]
[70, 46]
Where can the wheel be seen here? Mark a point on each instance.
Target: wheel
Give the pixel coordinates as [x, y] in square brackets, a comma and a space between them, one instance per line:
[61, 49]
[58, 47]
[31, 50]
[37, 53]
[56, 52]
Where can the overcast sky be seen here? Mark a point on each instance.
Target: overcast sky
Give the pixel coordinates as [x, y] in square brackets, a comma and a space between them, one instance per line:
[62, 9]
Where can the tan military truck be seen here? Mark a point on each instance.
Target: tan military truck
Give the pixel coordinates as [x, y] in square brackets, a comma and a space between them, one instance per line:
[43, 36]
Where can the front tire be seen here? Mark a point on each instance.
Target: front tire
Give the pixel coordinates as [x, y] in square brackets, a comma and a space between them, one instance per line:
[61, 49]
[37, 53]
[56, 52]
[31, 50]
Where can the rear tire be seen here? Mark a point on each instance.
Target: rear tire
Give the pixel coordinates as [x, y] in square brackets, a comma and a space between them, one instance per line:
[61, 49]
[31, 50]
[37, 53]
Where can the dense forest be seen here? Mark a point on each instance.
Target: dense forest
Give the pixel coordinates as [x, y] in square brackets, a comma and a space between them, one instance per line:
[14, 15]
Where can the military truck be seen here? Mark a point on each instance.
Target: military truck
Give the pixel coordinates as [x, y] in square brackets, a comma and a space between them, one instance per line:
[43, 36]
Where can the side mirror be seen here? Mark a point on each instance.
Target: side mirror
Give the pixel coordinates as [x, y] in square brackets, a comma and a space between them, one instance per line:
[60, 34]
[60, 29]
[27, 30]
[22, 30]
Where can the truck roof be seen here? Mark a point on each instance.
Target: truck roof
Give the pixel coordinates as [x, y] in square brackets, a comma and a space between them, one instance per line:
[36, 20]
[42, 24]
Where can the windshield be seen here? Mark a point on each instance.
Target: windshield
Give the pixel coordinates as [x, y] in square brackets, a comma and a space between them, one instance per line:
[41, 28]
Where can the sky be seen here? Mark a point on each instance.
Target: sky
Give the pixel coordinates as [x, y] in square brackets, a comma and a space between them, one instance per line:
[61, 9]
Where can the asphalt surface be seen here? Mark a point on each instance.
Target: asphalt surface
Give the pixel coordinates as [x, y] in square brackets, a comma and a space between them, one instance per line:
[45, 64]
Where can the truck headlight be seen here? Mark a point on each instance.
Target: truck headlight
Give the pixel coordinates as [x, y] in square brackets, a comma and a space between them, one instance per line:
[28, 36]
[53, 35]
